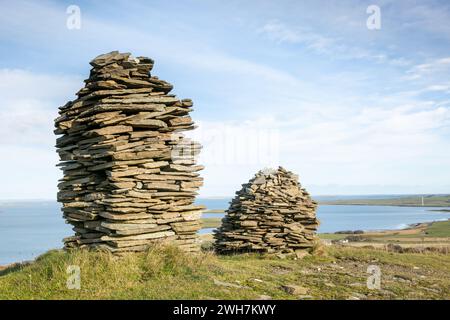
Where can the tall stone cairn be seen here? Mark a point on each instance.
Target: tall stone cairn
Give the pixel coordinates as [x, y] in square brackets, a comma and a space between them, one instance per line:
[272, 213]
[130, 177]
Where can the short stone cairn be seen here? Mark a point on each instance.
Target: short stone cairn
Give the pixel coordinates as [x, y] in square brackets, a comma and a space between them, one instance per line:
[272, 214]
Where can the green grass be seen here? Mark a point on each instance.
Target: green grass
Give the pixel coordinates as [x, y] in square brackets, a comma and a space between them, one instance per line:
[439, 229]
[218, 211]
[332, 236]
[167, 273]
[211, 222]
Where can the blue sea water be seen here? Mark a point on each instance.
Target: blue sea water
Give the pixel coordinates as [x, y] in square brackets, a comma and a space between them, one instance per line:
[28, 229]
[345, 217]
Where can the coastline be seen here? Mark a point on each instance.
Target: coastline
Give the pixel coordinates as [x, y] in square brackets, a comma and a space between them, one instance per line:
[215, 214]
[386, 205]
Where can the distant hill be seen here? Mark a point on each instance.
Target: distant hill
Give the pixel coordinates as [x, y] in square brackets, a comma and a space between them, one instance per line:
[407, 201]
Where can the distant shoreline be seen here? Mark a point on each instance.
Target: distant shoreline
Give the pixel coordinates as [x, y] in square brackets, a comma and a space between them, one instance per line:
[410, 226]
[219, 211]
[428, 201]
[387, 205]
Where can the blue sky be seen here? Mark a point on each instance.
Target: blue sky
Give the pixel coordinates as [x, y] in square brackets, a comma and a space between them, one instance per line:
[351, 110]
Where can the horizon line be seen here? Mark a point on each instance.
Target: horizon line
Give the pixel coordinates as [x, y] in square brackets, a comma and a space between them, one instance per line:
[231, 196]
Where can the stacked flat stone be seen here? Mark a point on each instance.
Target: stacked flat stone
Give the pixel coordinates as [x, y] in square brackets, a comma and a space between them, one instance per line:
[272, 213]
[130, 176]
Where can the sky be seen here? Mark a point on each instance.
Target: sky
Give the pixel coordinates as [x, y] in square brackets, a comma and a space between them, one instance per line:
[303, 84]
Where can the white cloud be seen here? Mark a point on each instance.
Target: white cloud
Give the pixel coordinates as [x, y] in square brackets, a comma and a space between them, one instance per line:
[332, 46]
[430, 18]
[374, 148]
[433, 68]
[439, 87]
[279, 32]
[29, 105]
[28, 172]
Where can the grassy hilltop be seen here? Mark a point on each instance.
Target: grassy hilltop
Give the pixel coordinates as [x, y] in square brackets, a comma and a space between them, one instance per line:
[165, 273]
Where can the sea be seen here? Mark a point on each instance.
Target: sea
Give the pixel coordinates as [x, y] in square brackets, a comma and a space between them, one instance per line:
[30, 228]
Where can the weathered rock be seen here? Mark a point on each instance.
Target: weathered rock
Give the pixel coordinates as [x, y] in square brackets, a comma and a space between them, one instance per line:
[294, 289]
